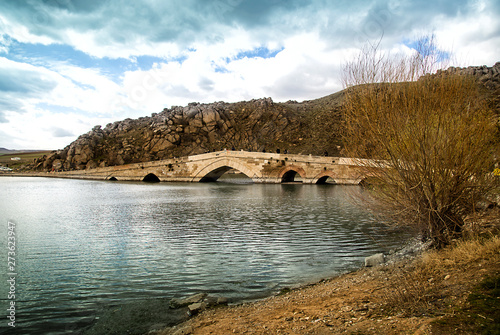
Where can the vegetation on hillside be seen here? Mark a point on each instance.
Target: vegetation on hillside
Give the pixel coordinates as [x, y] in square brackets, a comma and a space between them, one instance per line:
[25, 159]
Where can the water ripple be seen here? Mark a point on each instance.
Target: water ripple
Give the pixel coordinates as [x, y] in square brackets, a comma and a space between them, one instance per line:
[85, 246]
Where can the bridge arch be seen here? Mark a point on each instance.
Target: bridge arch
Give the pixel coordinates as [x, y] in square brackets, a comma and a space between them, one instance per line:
[151, 178]
[322, 177]
[215, 169]
[289, 173]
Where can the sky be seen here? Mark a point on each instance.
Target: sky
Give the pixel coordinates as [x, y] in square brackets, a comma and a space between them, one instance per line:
[68, 65]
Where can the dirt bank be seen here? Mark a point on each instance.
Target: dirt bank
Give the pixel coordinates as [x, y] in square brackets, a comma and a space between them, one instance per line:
[433, 293]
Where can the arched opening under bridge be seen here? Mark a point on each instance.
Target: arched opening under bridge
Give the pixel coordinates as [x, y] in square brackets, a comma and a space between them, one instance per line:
[291, 176]
[326, 180]
[151, 178]
[112, 179]
[226, 174]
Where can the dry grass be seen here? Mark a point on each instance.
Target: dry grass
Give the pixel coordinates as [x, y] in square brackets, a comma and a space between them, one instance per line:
[431, 284]
[462, 253]
[412, 294]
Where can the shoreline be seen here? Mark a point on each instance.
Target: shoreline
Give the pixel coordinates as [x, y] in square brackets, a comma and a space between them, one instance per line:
[413, 249]
[288, 312]
[182, 310]
[422, 294]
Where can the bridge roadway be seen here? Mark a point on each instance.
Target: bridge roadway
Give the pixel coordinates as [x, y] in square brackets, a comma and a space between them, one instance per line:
[259, 166]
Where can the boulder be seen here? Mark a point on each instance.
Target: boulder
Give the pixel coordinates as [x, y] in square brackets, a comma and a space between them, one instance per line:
[198, 302]
[91, 165]
[374, 260]
[197, 307]
[222, 301]
[210, 117]
[189, 300]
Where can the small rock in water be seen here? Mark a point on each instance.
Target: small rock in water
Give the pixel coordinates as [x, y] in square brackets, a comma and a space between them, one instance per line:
[189, 300]
[222, 301]
[374, 260]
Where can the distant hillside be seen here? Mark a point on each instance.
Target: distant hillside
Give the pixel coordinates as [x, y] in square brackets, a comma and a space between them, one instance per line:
[4, 151]
[309, 127]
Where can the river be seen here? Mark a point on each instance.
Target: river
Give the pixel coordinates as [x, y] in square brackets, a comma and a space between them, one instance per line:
[98, 257]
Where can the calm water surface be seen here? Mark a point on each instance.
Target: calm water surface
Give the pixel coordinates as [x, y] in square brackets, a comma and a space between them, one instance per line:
[93, 256]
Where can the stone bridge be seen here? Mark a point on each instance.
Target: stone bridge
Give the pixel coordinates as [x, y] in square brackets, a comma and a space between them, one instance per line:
[259, 166]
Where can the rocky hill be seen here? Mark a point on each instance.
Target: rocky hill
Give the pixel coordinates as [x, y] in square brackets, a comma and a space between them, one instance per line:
[309, 127]
[257, 125]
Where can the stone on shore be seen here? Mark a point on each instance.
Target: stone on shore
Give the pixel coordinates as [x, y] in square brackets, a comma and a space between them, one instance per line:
[197, 307]
[189, 300]
[374, 260]
[198, 302]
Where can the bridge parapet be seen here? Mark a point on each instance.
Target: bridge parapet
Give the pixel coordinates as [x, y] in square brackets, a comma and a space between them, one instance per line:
[270, 156]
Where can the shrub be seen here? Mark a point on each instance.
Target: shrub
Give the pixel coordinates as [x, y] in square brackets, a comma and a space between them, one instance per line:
[429, 139]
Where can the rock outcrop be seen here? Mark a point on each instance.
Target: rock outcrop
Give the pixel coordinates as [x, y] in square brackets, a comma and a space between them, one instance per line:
[487, 77]
[254, 125]
[309, 127]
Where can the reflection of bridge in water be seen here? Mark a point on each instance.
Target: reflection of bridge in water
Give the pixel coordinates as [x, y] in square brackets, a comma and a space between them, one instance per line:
[259, 166]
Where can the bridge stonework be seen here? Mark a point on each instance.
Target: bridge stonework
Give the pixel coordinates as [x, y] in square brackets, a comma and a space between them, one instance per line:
[259, 166]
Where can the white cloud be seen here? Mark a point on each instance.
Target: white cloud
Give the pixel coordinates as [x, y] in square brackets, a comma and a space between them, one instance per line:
[21, 32]
[198, 46]
[84, 89]
[22, 83]
[304, 60]
[64, 96]
[91, 43]
[42, 129]
[474, 40]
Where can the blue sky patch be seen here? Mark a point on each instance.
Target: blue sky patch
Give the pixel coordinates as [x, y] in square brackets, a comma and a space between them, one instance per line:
[261, 52]
[145, 63]
[62, 109]
[427, 43]
[48, 55]
[220, 69]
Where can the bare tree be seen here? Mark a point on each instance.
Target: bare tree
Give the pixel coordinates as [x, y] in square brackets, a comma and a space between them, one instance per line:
[429, 138]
